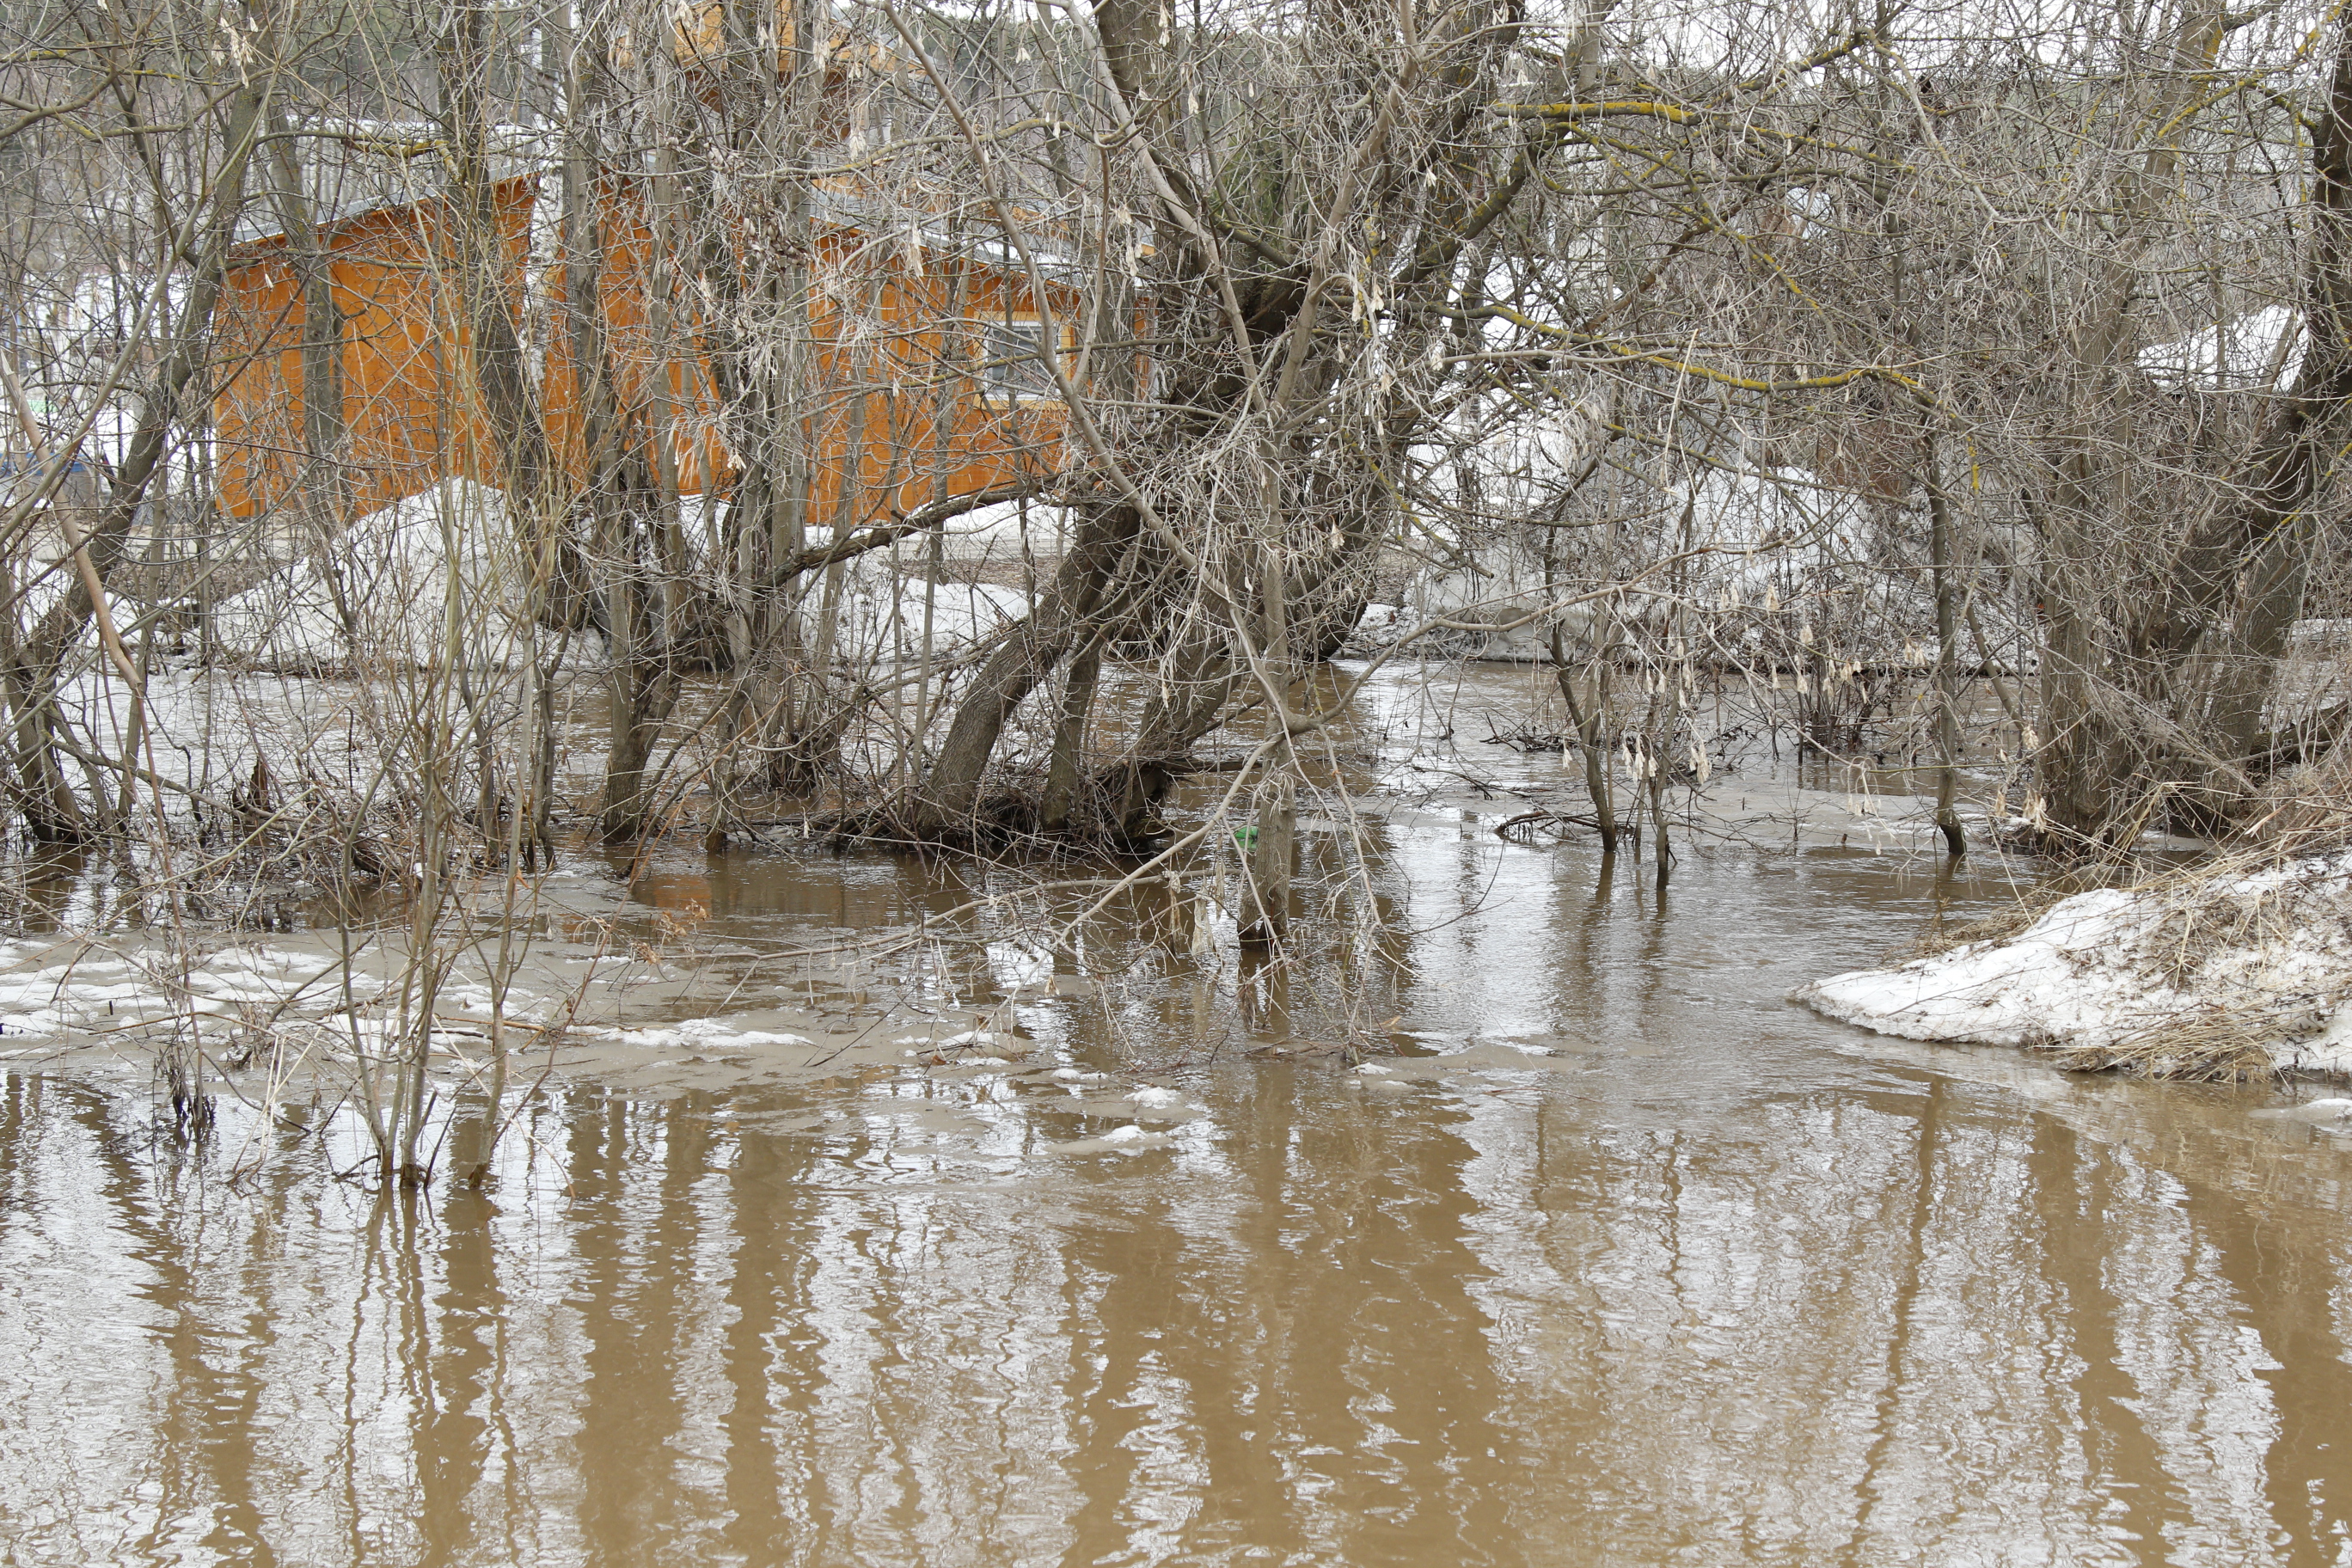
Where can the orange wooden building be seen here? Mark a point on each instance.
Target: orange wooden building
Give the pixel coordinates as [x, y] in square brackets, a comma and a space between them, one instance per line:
[926, 381]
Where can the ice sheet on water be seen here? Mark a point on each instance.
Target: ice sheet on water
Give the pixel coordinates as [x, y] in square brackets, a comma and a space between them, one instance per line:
[699, 1033]
[90, 991]
[1128, 1139]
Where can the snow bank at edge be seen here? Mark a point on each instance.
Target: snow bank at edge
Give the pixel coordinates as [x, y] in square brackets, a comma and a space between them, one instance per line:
[2102, 966]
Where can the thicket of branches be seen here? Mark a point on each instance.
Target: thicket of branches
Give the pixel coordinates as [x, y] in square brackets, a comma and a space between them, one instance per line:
[1890, 359]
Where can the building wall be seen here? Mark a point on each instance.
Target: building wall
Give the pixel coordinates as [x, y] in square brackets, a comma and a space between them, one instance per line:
[899, 417]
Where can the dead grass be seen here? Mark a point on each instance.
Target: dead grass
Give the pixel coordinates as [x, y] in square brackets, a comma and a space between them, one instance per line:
[2211, 1045]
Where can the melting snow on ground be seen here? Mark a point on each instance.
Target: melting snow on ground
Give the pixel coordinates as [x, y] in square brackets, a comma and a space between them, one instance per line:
[2272, 949]
[439, 576]
[400, 583]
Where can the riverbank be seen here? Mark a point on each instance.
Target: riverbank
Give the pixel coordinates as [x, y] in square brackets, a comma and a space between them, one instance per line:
[2239, 967]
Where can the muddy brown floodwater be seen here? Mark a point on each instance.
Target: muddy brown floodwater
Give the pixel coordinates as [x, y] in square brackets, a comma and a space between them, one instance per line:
[1624, 1259]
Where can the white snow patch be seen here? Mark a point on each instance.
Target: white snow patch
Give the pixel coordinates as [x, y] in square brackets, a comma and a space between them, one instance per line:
[701, 1033]
[438, 571]
[2102, 966]
[2261, 349]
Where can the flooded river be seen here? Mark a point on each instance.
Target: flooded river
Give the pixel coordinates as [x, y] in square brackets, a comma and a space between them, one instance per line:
[1615, 1257]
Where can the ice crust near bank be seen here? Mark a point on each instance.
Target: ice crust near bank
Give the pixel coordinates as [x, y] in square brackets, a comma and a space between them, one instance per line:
[2272, 947]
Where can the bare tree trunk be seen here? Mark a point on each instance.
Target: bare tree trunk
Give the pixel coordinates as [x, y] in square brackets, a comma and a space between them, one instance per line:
[1266, 914]
[1265, 906]
[640, 677]
[2219, 629]
[1948, 652]
[1028, 654]
[1065, 766]
[1661, 849]
[1588, 725]
[34, 668]
[1195, 682]
[2084, 754]
[1585, 724]
[537, 502]
[322, 352]
[2245, 664]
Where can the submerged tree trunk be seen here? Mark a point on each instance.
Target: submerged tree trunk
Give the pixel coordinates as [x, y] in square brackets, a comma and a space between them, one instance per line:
[1586, 724]
[1265, 904]
[1943, 578]
[1070, 609]
[1267, 914]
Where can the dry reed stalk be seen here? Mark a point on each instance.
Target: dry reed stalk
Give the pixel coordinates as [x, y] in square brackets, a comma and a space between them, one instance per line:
[2208, 1045]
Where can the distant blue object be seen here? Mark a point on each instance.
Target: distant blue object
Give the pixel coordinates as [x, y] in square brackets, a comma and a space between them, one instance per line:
[13, 463]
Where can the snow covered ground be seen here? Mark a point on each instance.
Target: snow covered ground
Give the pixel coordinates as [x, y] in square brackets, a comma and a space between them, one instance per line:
[439, 573]
[2269, 951]
[2261, 350]
[1777, 557]
[397, 585]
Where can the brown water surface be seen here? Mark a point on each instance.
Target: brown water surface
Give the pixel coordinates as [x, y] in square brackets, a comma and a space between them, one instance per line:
[1624, 1259]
